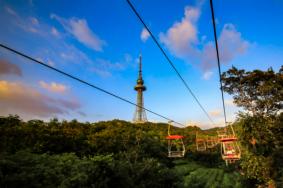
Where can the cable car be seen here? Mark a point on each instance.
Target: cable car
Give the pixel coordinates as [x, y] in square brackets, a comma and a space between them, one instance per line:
[200, 143]
[211, 142]
[230, 149]
[176, 147]
[222, 133]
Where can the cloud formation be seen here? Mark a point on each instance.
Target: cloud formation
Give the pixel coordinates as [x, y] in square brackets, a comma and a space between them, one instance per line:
[54, 32]
[182, 36]
[207, 75]
[10, 11]
[9, 68]
[56, 47]
[53, 87]
[80, 30]
[104, 67]
[30, 24]
[144, 35]
[183, 41]
[34, 20]
[100, 72]
[215, 113]
[231, 44]
[17, 98]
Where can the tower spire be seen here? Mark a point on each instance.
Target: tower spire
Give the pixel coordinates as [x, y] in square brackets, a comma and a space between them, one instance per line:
[140, 66]
[140, 115]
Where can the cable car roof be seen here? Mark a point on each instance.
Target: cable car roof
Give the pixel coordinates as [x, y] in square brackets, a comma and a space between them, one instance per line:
[174, 137]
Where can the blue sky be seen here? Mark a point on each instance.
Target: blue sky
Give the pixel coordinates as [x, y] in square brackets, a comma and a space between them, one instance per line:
[100, 41]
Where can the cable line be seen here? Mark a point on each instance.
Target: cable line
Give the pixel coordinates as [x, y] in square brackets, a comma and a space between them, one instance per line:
[84, 82]
[169, 61]
[218, 62]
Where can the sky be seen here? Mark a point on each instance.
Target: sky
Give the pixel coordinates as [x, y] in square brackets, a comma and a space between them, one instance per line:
[100, 42]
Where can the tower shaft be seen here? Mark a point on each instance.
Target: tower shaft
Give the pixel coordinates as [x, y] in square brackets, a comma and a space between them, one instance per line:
[140, 115]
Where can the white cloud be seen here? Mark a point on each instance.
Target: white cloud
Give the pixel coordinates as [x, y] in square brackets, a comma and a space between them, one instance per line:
[144, 35]
[207, 75]
[182, 36]
[10, 11]
[54, 31]
[100, 72]
[231, 44]
[53, 87]
[34, 21]
[29, 24]
[51, 63]
[80, 30]
[58, 48]
[183, 41]
[215, 113]
[66, 56]
[104, 67]
[106, 64]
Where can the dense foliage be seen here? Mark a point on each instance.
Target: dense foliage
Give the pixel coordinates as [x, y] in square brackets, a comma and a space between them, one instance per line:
[260, 93]
[103, 154]
[121, 154]
[73, 154]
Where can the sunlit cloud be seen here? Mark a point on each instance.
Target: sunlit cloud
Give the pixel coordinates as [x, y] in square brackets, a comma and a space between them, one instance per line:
[79, 28]
[34, 20]
[57, 48]
[10, 11]
[144, 35]
[55, 32]
[9, 68]
[231, 44]
[182, 36]
[100, 72]
[29, 24]
[183, 41]
[215, 112]
[18, 98]
[51, 63]
[105, 67]
[207, 75]
[53, 87]
[108, 65]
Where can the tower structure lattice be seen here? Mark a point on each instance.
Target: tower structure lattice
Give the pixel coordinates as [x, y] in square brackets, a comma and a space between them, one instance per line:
[140, 115]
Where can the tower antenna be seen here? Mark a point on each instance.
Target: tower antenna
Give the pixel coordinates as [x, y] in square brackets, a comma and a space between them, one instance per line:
[140, 115]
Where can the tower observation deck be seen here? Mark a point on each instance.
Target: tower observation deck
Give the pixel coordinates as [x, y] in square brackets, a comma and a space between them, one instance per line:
[140, 115]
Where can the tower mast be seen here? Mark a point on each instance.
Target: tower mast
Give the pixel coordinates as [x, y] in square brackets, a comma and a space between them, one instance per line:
[140, 115]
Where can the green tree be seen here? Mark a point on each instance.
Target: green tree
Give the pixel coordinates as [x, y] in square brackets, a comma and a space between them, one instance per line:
[260, 93]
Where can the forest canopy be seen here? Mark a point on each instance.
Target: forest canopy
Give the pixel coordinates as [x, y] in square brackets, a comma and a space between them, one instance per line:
[122, 154]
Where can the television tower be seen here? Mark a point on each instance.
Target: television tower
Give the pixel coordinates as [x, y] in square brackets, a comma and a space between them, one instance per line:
[140, 115]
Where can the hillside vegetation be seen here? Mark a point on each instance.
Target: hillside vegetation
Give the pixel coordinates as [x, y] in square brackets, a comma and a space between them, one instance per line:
[121, 154]
[104, 154]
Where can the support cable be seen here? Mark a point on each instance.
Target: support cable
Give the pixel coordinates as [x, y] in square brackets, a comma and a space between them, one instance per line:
[84, 82]
[169, 61]
[218, 64]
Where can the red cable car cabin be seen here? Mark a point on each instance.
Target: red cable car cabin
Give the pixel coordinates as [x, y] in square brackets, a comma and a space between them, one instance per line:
[176, 147]
[230, 149]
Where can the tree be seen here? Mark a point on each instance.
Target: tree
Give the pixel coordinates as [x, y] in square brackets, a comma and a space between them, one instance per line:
[260, 93]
